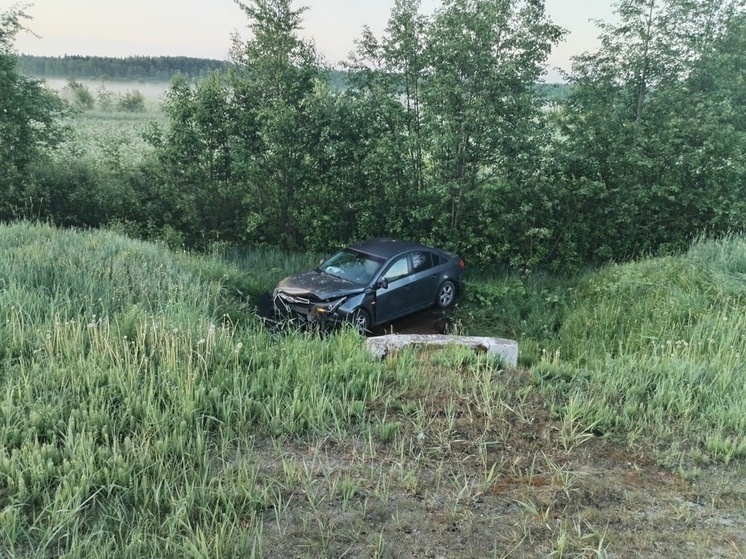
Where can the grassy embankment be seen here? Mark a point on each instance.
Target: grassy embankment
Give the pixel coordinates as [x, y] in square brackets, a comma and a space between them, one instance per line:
[144, 412]
[652, 348]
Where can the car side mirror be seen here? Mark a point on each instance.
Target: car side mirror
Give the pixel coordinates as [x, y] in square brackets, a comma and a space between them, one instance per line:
[383, 283]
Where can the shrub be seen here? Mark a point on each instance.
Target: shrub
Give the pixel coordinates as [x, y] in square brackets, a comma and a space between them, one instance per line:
[78, 95]
[131, 102]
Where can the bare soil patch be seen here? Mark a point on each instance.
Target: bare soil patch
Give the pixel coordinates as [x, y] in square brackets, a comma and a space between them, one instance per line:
[445, 474]
[429, 321]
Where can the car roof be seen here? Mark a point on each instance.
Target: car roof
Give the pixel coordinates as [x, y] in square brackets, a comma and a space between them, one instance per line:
[386, 247]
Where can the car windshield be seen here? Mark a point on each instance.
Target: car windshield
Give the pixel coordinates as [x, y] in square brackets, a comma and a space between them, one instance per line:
[352, 266]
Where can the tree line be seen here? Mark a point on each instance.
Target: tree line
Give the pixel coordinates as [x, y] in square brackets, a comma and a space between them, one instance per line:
[441, 135]
[146, 68]
[142, 68]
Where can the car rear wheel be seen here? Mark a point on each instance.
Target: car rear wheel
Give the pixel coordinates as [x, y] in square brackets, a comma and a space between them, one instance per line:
[446, 294]
[361, 321]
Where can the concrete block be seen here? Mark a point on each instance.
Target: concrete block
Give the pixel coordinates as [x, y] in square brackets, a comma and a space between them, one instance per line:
[506, 350]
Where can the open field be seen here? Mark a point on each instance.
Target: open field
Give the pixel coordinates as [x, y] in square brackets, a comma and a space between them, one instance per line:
[144, 412]
[110, 138]
[114, 138]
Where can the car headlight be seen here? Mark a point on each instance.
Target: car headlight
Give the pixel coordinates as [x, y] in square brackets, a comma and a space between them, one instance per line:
[328, 308]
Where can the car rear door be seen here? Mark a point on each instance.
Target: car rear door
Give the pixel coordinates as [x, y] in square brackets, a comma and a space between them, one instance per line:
[425, 278]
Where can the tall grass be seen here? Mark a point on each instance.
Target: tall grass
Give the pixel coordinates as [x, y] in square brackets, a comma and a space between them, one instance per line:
[129, 399]
[135, 383]
[657, 347]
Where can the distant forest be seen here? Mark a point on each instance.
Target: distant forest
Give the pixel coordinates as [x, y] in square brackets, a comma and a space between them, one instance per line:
[131, 68]
[136, 68]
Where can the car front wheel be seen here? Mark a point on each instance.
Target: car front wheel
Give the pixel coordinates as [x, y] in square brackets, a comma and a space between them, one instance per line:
[446, 295]
[361, 321]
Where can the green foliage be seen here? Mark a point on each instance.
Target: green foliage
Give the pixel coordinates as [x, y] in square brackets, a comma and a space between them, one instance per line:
[78, 95]
[282, 71]
[131, 102]
[482, 109]
[202, 194]
[29, 120]
[641, 123]
[449, 141]
[442, 136]
[302, 166]
[464, 131]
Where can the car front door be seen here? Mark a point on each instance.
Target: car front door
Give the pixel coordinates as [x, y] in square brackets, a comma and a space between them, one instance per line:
[396, 299]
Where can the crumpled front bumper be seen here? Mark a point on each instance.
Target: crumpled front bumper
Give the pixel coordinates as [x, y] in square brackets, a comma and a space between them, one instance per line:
[288, 309]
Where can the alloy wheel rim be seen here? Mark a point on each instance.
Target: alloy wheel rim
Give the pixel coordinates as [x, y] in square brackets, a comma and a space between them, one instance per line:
[446, 295]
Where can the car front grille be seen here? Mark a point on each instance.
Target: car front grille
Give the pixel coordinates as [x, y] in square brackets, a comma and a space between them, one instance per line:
[293, 305]
[290, 300]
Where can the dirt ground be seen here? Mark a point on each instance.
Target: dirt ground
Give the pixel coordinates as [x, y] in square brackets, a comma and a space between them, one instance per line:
[443, 478]
[429, 321]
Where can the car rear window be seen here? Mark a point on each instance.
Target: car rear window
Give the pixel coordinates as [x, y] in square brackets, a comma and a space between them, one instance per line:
[422, 260]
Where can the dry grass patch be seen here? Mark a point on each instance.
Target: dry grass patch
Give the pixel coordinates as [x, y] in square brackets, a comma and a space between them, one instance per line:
[477, 467]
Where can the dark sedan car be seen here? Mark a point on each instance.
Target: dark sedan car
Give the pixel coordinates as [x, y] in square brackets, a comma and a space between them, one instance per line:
[372, 282]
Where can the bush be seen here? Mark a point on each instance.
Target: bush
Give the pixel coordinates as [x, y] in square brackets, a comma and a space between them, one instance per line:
[78, 95]
[131, 102]
[105, 98]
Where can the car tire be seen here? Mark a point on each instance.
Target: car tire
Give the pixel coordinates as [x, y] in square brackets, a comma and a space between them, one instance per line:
[446, 295]
[361, 322]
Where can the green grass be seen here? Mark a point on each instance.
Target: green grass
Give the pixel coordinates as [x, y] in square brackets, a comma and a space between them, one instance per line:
[657, 347]
[127, 391]
[114, 138]
[651, 348]
[144, 411]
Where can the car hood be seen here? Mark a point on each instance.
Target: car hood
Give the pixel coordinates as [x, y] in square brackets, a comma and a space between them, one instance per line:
[319, 285]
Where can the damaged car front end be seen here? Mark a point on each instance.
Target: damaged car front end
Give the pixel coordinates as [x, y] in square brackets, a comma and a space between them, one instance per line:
[308, 310]
[334, 293]
[315, 308]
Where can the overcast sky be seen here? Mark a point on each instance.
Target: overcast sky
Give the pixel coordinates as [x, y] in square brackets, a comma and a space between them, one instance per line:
[202, 28]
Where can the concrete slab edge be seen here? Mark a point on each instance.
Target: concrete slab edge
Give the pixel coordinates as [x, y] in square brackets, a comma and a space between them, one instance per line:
[506, 350]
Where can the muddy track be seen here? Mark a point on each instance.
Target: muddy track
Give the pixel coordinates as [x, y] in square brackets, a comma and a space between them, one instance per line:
[429, 321]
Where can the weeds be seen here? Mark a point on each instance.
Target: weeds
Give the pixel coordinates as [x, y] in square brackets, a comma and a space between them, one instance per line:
[145, 412]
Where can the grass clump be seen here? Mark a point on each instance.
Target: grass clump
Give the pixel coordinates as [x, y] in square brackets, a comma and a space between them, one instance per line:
[651, 348]
[656, 347]
[130, 398]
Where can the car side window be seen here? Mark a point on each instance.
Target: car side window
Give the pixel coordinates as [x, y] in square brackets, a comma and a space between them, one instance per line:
[421, 261]
[398, 269]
